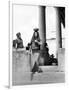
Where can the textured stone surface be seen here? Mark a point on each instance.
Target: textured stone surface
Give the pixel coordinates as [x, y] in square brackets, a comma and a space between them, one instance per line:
[21, 61]
[21, 74]
[39, 78]
[61, 59]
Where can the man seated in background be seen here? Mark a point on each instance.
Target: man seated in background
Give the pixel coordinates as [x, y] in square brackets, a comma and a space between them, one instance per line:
[18, 43]
[53, 60]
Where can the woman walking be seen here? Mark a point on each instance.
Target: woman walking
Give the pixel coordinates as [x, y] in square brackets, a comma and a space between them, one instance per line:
[35, 47]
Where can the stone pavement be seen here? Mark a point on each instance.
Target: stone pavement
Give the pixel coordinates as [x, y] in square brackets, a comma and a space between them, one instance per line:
[21, 78]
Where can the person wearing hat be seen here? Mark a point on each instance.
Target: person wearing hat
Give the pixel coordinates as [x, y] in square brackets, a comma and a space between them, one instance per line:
[18, 43]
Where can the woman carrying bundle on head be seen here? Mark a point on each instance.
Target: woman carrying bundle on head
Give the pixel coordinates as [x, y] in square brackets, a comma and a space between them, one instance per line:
[35, 47]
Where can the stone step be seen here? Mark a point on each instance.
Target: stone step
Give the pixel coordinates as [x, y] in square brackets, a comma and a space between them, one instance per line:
[49, 68]
[38, 78]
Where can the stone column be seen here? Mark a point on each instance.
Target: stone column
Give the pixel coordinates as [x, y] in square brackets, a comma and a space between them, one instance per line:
[42, 32]
[58, 31]
[59, 50]
[42, 24]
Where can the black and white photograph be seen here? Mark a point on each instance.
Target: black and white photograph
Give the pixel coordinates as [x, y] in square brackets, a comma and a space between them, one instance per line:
[34, 44]
[38, 44]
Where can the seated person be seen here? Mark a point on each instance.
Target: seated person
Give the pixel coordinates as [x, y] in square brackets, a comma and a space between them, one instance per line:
[44, 53]
[53, 60]
[18, 43]
[28, 46]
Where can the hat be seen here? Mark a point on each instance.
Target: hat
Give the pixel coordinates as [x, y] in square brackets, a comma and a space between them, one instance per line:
[36, 29]
[18, 34]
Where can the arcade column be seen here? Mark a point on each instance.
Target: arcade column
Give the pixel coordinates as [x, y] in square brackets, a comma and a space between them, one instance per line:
[42, 24]
[60, 52]
[42, 33]
[58, 31]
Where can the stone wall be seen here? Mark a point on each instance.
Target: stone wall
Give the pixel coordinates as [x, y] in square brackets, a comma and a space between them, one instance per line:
[21, 60]
[61, 59]
[21, 65]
